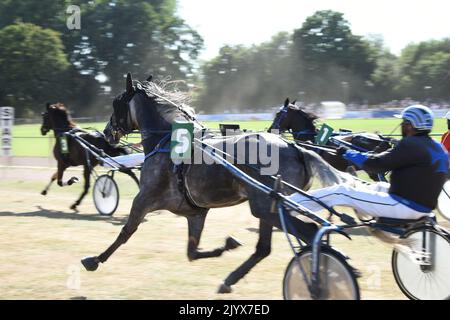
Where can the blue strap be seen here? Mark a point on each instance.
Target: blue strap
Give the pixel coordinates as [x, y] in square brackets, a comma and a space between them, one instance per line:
[158, 148]
[304, 132]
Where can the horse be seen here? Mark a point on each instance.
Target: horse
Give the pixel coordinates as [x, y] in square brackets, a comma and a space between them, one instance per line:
[56, 118]
[301, 124]
[151, 109]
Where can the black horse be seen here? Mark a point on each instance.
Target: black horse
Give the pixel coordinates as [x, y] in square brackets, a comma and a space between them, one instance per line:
[301, 124]
[69, 152]
[193, 189]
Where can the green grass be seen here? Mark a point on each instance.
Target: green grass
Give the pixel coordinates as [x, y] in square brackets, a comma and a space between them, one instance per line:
[27, 140]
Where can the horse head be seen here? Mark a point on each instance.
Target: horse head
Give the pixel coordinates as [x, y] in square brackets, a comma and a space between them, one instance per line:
[121, 122]
[147, 107]
[56, 117]
[293, 118]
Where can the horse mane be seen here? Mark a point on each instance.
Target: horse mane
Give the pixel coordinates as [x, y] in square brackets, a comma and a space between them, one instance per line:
[169, 104]
[308, 114]
[61, 107]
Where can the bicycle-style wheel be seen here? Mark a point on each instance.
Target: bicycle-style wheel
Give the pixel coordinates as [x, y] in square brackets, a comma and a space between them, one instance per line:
[443, 205]
[106, 195]
[337, 279]
[429, 280]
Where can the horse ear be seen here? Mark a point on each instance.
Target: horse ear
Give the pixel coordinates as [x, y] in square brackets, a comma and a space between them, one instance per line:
[286, 102]
[129, 83]
[47, 105]
[293, 102]
[150, 77]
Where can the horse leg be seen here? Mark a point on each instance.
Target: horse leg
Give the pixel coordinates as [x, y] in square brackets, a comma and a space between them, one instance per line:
[263, 248]
[138, 211]
[59, 175]
[195, 227]
[87, 180]
[53, 178]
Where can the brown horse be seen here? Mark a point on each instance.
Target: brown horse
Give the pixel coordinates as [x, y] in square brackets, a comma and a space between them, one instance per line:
[69, 152]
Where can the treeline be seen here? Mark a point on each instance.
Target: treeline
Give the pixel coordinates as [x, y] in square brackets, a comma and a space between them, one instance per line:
[42, 60]
[324, 60]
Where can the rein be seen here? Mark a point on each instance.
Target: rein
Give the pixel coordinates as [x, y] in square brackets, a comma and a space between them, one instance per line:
[159, 147]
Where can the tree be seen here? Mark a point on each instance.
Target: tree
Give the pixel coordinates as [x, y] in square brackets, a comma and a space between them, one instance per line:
[425, 70]
[142, 37]
[49, 14]
[32, 61]
[242, 77]
[330, 59]
[116, 36]
[386, 76]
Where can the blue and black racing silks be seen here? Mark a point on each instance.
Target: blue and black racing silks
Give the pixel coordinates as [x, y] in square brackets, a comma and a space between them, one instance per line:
[419, 167]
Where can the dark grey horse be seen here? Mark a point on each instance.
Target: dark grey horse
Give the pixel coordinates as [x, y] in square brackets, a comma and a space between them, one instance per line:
[149, 108]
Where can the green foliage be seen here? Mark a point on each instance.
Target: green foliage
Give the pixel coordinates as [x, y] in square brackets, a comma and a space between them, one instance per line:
[32, 61]
[425, 69]
[117, 36]
[141, 37]
[331, 62]
[240, 76]
[45, 13]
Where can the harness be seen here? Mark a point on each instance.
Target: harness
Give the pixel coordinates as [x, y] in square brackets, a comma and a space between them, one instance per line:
[283, 115]
[178, 169]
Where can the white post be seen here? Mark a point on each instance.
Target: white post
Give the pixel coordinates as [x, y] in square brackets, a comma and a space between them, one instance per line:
[6, 124]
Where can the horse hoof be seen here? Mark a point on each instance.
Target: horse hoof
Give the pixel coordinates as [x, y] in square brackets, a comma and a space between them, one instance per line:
[44, 193]
[232, 243]
[72, 181]
[90, 263]
[224, 289]
[74, 206]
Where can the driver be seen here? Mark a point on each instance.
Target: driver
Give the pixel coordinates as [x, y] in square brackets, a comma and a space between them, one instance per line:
[419, 166]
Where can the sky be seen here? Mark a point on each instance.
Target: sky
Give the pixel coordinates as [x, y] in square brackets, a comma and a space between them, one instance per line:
[248, 22]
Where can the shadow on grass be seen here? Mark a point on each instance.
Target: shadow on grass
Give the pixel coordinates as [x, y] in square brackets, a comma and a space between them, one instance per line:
[53, 214]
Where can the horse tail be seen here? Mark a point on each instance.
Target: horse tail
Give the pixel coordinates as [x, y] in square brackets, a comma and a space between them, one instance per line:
[316, 167]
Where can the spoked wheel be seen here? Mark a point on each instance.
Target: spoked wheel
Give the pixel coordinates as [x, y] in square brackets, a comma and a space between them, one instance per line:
[106, 195]
[429, 277]
[443, 205]
[337, 279]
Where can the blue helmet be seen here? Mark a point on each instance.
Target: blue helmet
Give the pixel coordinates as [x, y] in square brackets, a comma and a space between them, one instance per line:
[420, 117]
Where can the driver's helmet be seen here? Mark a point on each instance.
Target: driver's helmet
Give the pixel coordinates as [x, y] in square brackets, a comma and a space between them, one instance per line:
[420, 117]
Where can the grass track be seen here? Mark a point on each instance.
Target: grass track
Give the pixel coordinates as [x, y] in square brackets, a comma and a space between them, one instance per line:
[27, 140]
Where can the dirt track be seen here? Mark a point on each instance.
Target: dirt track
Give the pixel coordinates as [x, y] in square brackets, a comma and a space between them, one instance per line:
[42, 241]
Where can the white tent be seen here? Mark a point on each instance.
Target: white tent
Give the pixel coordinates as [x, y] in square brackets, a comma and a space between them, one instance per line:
[332, 109]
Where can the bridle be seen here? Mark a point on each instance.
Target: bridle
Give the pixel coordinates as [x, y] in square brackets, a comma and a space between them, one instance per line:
[283, 114]
[120, 121]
